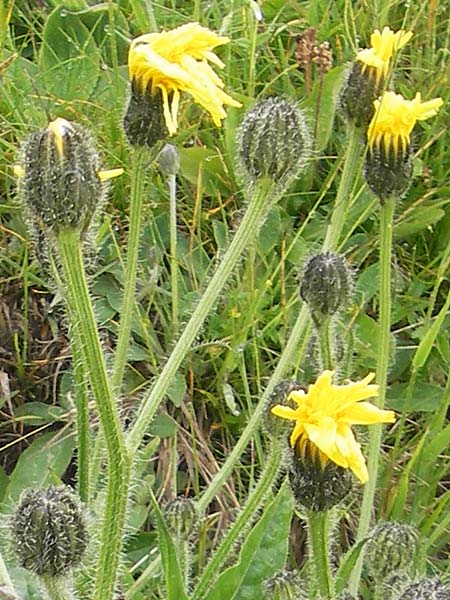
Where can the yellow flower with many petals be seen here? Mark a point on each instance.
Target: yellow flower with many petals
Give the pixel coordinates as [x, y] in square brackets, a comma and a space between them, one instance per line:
[394, 120]
[384, 45]
[177, 61]
[324, 416]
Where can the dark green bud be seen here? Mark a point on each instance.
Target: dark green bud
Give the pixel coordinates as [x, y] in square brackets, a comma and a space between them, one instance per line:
[326, 284]
[285, 585]
[391, 547]
[427, 589]
[316, 485]
[169, 160]
[388, 174]
[181, 517]
[273, 142]
[144, 121]
[59, 180]
[360, 88]
[48, 531]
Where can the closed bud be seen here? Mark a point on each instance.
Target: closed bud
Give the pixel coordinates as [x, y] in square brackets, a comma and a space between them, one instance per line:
[387, 174]
[181, 517]
[59, 180]
[144, 122]
[391, 547]
[315, 483]
[169, 160]
[427, 589]
[326, 284]
[285, 585]
[273, 142]
[48, 531]
[358, 92]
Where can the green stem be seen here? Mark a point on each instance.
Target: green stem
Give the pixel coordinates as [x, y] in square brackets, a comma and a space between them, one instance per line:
[172, 181]
[56, 589]
[289, 356]
[83, 427]
[134, 232]
[5, 579]
[386, 222]
[318, 538]
[254, 500]
[82, 313]
[254, 217]
[326, 351]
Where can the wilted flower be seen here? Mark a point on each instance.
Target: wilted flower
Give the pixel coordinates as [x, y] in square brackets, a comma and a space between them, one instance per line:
[325, 414]
[165, 64]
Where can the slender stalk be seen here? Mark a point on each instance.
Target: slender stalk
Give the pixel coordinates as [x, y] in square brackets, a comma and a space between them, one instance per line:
[172, 181]
[386, 222]
[318, 524]
[82, 313]
[83, 428]
[134, 232]
[326, 351]
[56, 589]
[254, 217]
[254, 500]
[289, 356]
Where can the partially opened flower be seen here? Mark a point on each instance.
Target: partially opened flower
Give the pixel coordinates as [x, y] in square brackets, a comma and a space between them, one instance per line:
[368, 75]
[375, 60]
[324, 417]
[388, 168]
[171, 62]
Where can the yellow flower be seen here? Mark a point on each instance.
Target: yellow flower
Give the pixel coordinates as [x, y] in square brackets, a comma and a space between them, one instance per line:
[394, 119]
[177, 61]
[384, 45]
[325, 414]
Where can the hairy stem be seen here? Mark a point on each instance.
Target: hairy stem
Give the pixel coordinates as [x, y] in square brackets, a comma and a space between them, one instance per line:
[82, 318]
[318, 524]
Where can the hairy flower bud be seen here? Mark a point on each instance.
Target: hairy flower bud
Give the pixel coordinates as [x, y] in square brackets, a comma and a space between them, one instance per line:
[391, 547]
[317, 485]
[144, 121]
[181, 516]
[326, 284]
[273, 142]
[48, 531]
[426, 589]
[388, 175]
[59, 180]
[169, 160]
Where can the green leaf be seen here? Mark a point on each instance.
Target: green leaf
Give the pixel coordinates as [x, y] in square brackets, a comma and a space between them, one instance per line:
[262, 555]
[421, 218]
[69, 58]
[41, 464]
[428, 340]
[39, 413]
[347, 565]
[177, 389]
[426, 397]
[163, 426]
[4, 479]
[174, 577]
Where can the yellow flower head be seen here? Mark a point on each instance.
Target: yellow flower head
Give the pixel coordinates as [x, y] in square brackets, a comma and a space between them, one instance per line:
[384, 45]
[394, 119]
[175, 61]
[325, 414]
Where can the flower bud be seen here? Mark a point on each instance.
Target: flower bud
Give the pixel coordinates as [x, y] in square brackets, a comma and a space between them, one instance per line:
[388, 175]
[48, 531]
[285, 585]
[181, 517]
[391, 547]
[59, 180]
[273, 142]
[317, 485]
[427, 589]
[326, 284]
[169, 160]
[274, 426]
[144, 122]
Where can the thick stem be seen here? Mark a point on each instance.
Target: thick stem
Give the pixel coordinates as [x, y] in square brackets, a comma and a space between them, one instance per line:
[318, 538]
[83, 428]
[386, 221]
[290, 353]
[254, 500]
[56, 589]
[247, 231]
[82, 314]
[326, 351]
